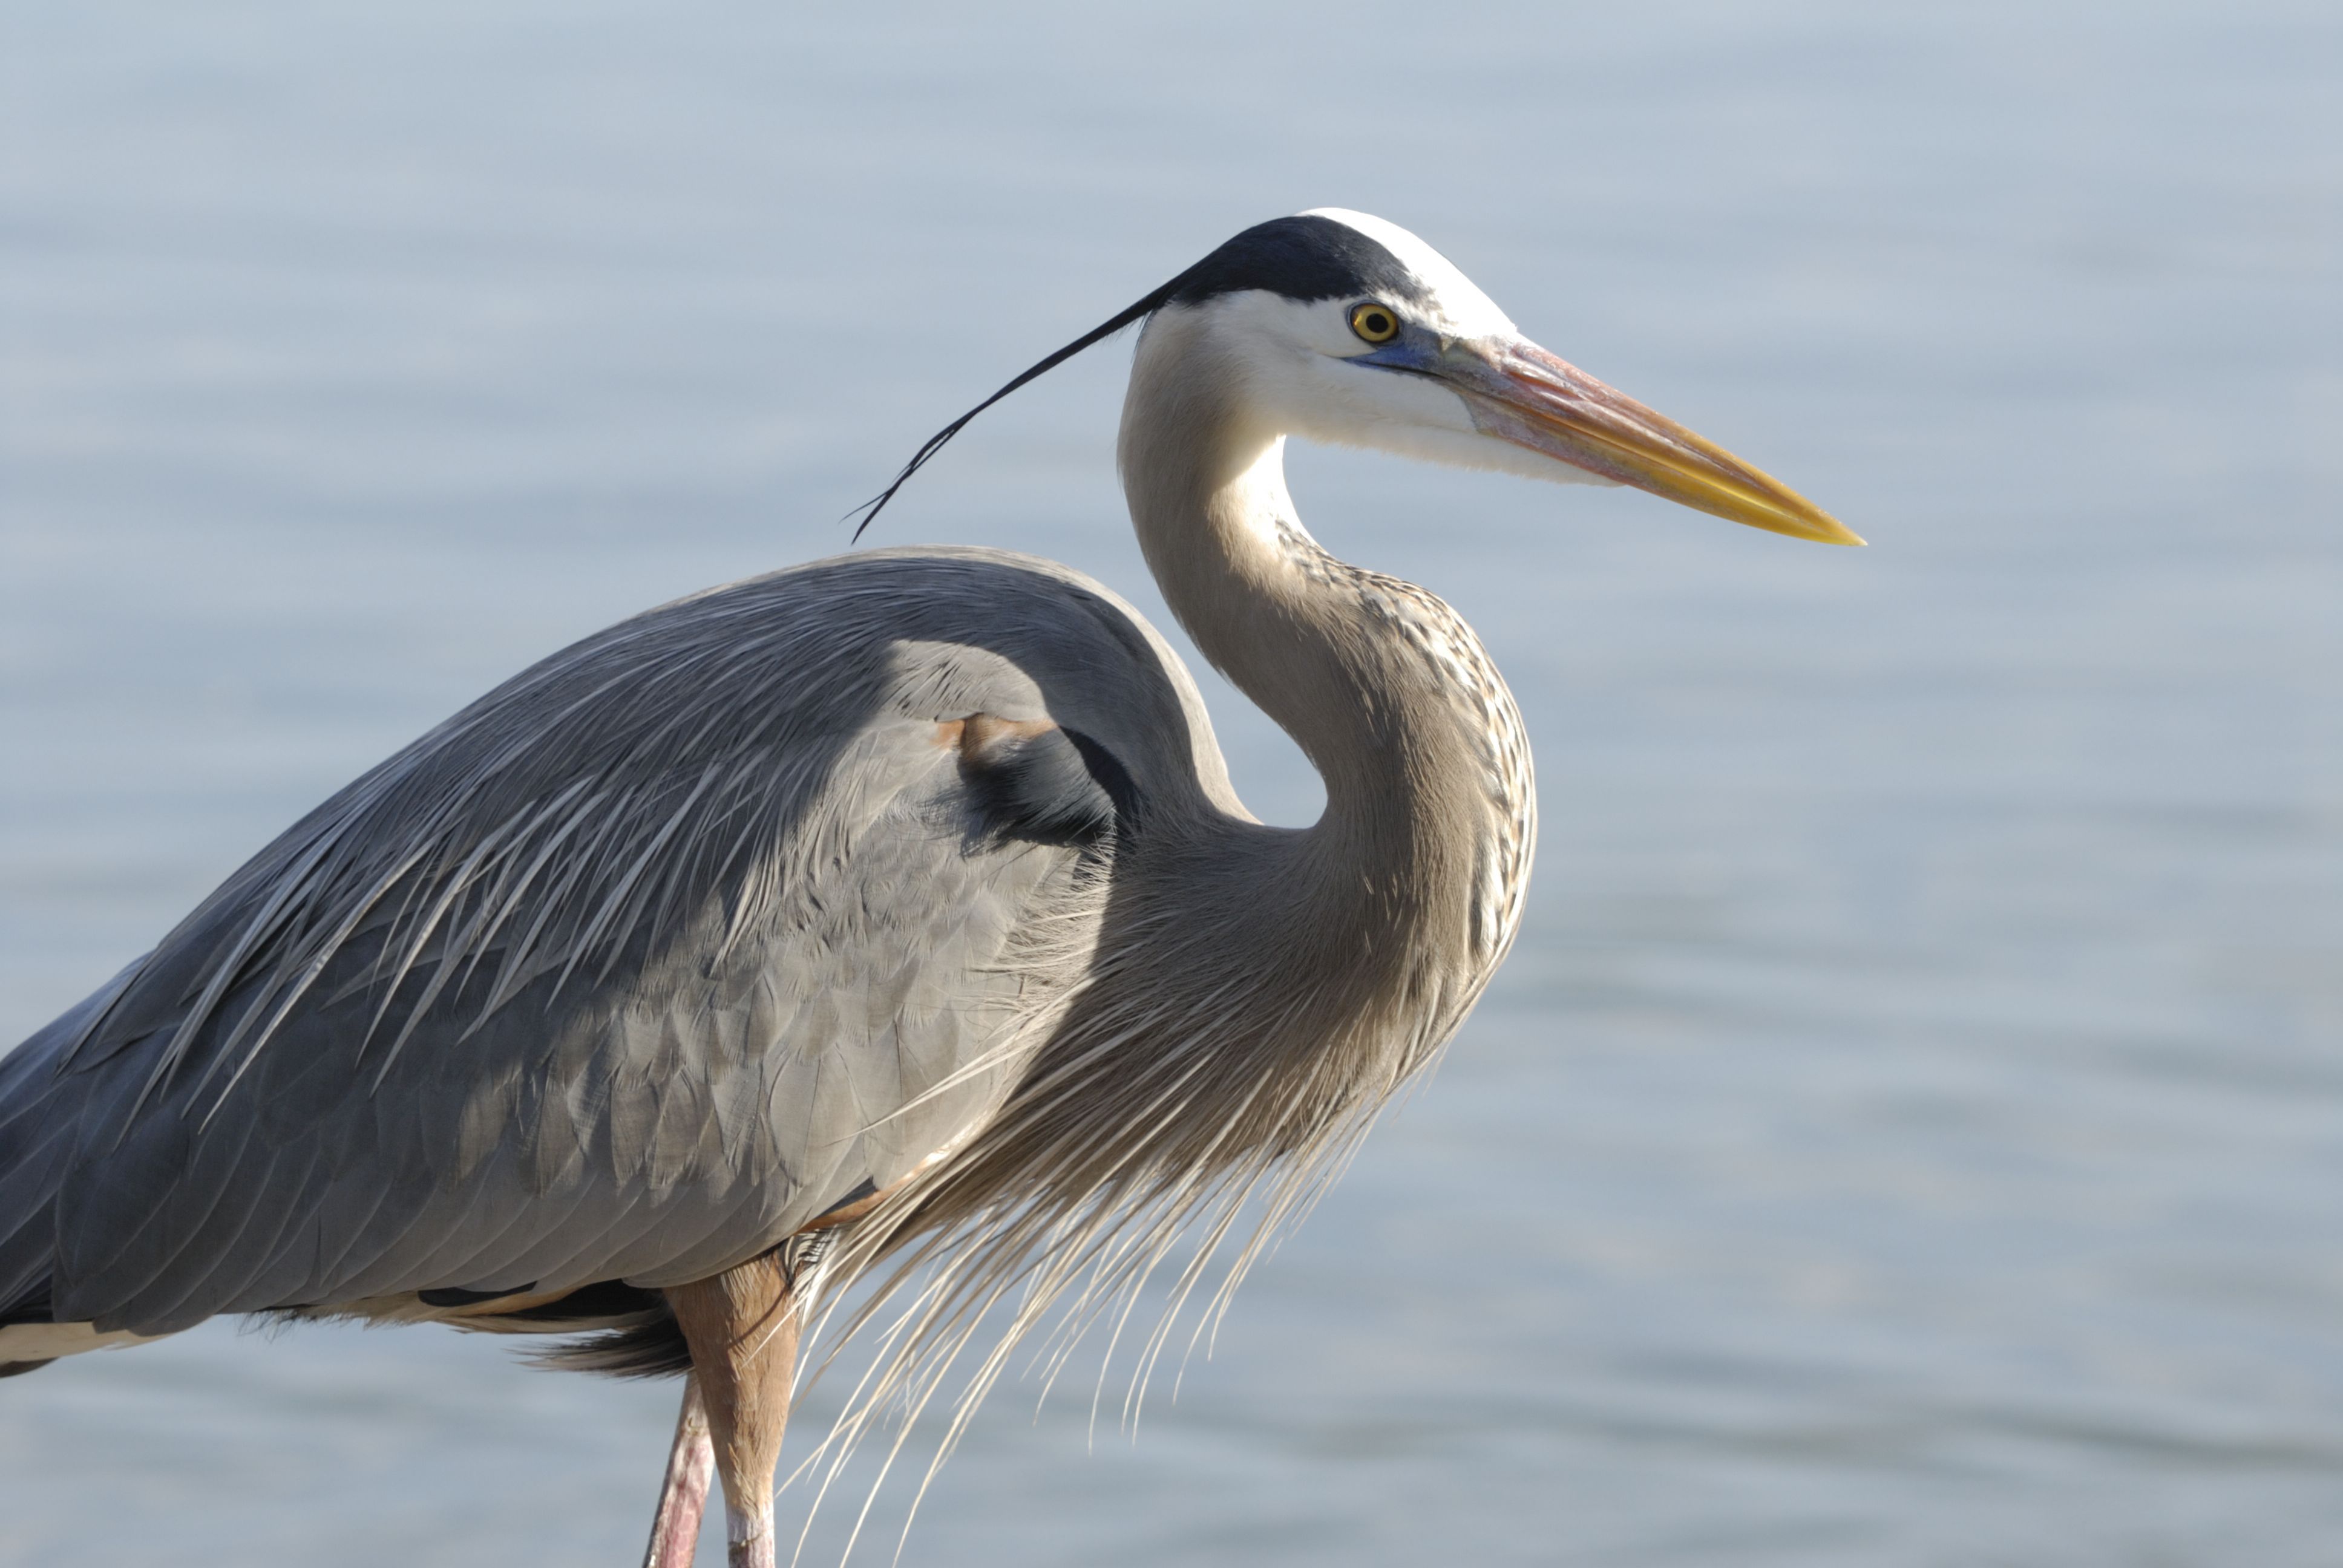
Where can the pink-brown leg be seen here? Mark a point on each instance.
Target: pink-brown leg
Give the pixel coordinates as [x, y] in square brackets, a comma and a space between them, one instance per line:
[742, 1328]
[691, 1462]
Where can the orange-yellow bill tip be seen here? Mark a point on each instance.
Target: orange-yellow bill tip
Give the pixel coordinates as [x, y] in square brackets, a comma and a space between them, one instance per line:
[1543, 403]
[1782, 510]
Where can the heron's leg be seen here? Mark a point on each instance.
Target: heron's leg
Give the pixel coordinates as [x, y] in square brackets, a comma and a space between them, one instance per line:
[742, 1329]
[675, 1529]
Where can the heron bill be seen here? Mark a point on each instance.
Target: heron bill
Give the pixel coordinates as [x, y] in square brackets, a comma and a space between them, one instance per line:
[1523, 394]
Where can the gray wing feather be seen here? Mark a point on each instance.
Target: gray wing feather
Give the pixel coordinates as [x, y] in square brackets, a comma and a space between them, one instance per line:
[625, 971]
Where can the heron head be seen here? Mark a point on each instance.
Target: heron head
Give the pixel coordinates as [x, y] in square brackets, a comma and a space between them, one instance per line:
[1340, 326]
[1334, 326]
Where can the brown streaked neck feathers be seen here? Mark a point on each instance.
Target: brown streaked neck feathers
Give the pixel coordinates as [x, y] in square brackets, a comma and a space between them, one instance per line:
[1386, 689]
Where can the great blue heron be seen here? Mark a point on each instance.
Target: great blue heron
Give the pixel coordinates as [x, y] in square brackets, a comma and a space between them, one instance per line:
[900, 902]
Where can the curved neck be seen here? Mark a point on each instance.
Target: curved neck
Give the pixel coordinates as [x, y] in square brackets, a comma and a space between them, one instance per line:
[1205, 478]
[1384, 688]
[1256, 994]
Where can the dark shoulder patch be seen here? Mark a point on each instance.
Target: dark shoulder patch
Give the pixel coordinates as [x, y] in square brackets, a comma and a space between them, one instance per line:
[1107, 769]
[1300, 258]
[1036, 782]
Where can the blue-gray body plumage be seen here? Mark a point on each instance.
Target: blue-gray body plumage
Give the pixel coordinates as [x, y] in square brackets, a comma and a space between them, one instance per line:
[627, 971]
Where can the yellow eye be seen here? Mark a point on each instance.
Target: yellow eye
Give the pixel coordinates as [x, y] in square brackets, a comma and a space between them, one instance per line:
[1373, 322]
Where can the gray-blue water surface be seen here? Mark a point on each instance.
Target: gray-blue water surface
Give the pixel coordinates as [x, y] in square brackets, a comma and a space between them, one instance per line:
[1910, 1130]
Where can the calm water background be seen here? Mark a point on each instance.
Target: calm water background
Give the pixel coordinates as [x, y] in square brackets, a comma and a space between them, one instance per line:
[1910, 1130]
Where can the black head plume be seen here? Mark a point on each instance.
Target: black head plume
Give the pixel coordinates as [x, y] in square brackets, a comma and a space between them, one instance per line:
[1305, 257]
[935, 443]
